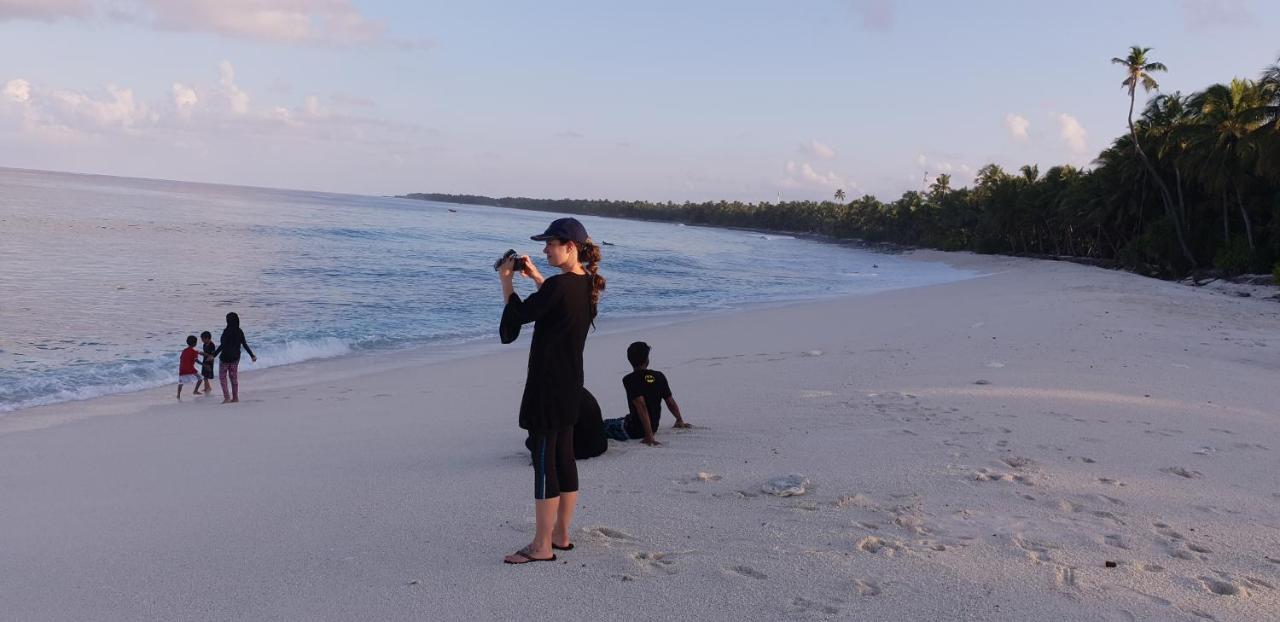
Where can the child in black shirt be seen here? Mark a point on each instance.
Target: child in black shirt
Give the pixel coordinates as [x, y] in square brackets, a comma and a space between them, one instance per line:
[206, 364]
[646, 390]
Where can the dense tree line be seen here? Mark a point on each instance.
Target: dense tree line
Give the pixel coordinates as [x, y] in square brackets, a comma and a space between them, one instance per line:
[1194, 184]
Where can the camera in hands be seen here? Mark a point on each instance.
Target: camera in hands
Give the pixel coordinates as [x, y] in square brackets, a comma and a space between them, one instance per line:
[518, 266]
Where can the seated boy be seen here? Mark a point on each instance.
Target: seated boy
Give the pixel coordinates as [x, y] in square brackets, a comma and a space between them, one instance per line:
[646, 390]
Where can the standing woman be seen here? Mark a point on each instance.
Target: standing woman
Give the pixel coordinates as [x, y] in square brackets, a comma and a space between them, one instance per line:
[228, 354]
[562, 311]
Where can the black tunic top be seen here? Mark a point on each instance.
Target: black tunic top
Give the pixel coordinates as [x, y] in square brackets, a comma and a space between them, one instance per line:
[230, 343]
[561, 313]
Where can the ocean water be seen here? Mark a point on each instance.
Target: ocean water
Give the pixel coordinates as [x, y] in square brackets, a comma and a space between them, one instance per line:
[102, 278]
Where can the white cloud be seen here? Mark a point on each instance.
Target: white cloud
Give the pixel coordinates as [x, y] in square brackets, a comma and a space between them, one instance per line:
[116, 109]
[961, 174]
[569, 134]
[18, 90]
[223, 112]
[1017, 126]
[311, 107]
[237, 98]
[60, 114]
[1073, 134]
[47, 10]
[876, 15]
[185, 99]
[802, 174]
[818, 150]
[279, 21]
[310, 22]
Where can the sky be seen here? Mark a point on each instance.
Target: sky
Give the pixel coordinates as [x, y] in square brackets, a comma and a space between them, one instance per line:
[656, 100]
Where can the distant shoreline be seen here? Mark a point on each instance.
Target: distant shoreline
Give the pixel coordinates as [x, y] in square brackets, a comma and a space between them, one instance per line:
[675, 213]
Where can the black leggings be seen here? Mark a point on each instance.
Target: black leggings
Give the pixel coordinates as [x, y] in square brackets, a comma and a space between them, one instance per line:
[554, 470]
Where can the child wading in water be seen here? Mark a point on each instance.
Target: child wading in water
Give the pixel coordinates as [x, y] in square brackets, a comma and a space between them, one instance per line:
[206, 364]
[187, 367]
[229, 357]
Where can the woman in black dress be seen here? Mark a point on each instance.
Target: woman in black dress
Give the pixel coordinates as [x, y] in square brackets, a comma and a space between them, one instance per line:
[562, 310]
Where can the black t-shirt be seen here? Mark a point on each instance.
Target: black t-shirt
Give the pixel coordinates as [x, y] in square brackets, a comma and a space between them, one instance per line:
[561, 313]
[206, 364]
[652, 385]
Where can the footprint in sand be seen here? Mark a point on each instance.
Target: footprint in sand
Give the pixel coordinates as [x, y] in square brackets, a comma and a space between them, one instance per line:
[1258, 583]
[1018, 462]
[1036, 551]
[1064, 577]
[1177, 545]
[608, 533]
[1222, 588]
[1117, 541]
[804, 605]
[879, 546]
[865, 587]
[1182, 472]
[701, 477]
[653, 560]
[1153, 599]
[988, 475]
[746, 571]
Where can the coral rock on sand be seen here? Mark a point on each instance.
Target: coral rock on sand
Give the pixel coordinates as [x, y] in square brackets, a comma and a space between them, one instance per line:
[786, 485]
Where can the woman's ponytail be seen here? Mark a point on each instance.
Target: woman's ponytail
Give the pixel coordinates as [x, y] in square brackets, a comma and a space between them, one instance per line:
[589, 257]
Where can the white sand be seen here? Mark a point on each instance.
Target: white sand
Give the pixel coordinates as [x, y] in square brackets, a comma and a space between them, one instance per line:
[977, 451]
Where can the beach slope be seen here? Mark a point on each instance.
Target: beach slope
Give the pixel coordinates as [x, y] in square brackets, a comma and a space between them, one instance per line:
[1048, 441]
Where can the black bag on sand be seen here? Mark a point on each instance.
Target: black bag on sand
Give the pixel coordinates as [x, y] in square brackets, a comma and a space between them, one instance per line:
[588, 433]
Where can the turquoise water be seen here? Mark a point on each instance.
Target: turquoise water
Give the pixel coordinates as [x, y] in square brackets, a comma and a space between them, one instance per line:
[102, 278]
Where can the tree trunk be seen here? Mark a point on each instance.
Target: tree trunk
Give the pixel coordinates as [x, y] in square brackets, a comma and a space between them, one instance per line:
[1248, 226]
[1182, 206]
[1226, 220]
[1164, 190]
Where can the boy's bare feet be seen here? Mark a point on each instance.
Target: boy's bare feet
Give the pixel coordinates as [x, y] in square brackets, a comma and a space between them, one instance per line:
[226, 401]
[234, 400]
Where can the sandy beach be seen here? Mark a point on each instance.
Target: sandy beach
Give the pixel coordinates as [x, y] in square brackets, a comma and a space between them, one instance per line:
[1048, 441]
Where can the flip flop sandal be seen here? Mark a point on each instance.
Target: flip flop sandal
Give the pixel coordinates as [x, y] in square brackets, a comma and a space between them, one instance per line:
[562, 548]
[524, 554]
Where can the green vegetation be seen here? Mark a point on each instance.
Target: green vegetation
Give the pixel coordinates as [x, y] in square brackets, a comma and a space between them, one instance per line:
[1195, 182]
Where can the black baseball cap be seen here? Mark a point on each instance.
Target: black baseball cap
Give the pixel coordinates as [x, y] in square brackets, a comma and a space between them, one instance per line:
[564, 229]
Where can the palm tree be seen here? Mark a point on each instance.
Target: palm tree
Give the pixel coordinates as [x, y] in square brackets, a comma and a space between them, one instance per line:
[840, 194]
[1138, 71]
[1269, 84]
[1163, 124]
[1269, 133]
[1223, 138]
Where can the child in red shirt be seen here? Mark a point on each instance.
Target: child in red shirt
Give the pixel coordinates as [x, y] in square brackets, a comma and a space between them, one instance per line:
[187, 366]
